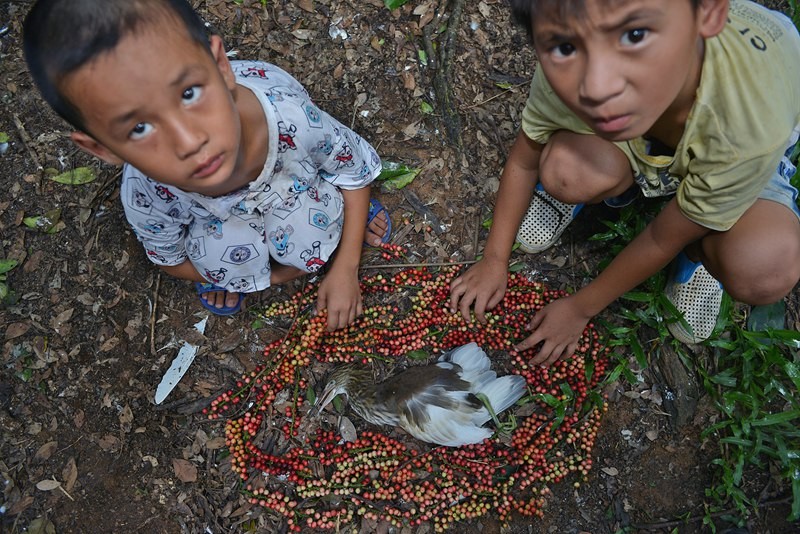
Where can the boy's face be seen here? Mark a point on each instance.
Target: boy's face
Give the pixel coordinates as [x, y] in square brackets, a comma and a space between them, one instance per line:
[629, 67]
[162, 103]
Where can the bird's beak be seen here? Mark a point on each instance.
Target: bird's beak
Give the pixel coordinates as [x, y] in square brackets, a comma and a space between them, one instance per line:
[328, 394]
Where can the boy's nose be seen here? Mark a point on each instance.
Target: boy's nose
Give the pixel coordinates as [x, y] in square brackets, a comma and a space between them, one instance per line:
[187, 137]
[602, 79]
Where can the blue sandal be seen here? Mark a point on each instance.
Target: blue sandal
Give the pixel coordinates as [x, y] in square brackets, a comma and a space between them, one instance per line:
[204, 287]
[375, 207]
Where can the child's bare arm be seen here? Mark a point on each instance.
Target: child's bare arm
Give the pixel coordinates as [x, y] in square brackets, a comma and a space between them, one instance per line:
[484, 284]
[339, 291]
[560, 324]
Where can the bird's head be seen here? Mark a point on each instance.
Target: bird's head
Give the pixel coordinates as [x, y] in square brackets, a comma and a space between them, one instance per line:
[341, 380]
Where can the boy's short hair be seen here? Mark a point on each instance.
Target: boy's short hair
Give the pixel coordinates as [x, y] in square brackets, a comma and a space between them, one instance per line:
[523, 12]
[60, 36]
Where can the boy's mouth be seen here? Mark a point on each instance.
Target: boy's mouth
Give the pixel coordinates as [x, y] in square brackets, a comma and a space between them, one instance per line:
[611, 124]
[208, 167]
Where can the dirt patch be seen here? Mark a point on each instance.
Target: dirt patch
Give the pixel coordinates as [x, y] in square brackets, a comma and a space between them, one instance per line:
[94, 326]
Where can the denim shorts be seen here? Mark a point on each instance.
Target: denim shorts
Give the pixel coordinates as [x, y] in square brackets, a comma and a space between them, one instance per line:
[779, 189]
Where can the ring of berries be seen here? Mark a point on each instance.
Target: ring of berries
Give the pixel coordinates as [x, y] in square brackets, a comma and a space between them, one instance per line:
[312, 479]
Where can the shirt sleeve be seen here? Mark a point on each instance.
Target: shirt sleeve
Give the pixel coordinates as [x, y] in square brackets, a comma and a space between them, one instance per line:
[156, 217]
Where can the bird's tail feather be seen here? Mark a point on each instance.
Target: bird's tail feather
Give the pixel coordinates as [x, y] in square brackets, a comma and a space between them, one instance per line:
[503, 392]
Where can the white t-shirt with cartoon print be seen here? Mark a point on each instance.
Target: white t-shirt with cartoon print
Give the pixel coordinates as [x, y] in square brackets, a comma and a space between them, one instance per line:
[292, 213]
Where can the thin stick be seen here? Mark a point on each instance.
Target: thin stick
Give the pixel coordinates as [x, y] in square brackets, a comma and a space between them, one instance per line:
[153, 316]
[405, 265]
[26, 140]
[498, 95]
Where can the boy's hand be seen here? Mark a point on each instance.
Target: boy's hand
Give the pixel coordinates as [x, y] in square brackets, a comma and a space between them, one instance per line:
[340, 293]
[484, 284]
[558, 326]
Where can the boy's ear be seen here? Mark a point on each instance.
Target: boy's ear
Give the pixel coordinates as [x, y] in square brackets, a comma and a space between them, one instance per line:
[89, 144]
[221, 59]
[712, 15]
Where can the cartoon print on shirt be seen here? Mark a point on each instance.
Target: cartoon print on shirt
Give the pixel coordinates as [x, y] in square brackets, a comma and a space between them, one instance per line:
[313, 115]
[280, 240]
[154, 227]
[319, 219]
[164, 193]
[312, 258]
[299, 185]
[313, 194]
[141, 200]
[196, 248]
[286, 137]
[240, 254]
[260, 230]
[344, 158]
[240, 285]
[216, 276]
[156, 256]
[286, 207]
[258, 71]
[213, 228]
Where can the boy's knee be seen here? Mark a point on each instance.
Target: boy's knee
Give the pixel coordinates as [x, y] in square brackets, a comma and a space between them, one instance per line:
[578, 168]
[764, 284]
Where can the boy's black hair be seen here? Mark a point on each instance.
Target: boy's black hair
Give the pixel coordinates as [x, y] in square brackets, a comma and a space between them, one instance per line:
[523, 12]
[60, 36]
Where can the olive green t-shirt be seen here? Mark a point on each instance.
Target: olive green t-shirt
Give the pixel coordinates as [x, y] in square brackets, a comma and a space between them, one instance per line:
[746, 113]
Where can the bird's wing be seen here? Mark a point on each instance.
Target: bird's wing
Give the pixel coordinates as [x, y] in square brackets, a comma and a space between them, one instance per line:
[451, 428]
[502, 393]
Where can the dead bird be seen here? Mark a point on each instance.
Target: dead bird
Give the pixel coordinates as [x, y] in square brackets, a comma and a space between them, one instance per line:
[437, 403]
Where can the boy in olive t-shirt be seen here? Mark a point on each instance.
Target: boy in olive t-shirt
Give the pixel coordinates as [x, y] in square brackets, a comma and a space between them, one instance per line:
[696, 98]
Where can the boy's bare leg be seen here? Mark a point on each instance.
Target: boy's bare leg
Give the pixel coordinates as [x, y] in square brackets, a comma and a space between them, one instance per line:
[758, 259]
[577, 168]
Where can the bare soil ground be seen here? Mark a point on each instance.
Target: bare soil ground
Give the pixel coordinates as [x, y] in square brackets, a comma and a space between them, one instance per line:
[94, 325]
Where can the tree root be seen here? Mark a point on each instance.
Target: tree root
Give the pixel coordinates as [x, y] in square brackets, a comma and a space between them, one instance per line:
[441, 64]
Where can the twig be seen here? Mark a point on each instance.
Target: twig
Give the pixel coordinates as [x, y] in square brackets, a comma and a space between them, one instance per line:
[153, 316]
[405, 265]
[498, 95]
[26, 140]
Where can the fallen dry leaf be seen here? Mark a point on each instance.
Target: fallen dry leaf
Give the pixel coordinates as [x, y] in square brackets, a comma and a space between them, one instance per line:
[48, 484]
[45, 451]
[109, 442]
[15, 330]
[70, 474]
[185, 470]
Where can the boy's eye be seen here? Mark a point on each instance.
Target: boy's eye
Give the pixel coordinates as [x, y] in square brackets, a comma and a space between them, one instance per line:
[564, 49]
[141, 130]
[633, 37]
[191, 94]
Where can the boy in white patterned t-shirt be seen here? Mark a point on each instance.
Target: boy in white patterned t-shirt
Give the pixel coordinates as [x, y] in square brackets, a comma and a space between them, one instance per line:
[232, 177]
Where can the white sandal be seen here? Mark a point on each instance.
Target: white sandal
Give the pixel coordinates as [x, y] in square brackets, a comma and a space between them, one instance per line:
[544, 222]
[697, 295]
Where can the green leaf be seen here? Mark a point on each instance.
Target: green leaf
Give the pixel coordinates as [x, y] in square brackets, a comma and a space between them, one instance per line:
[776, 418]
[394, 4]
[3, 137]
[311, 395]
[7, 265]
[397, 176]
[3, 291]
[423, 57]
[45, 223]
[516, 267]
[425, 108]
[417, 355]
[77, 176]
